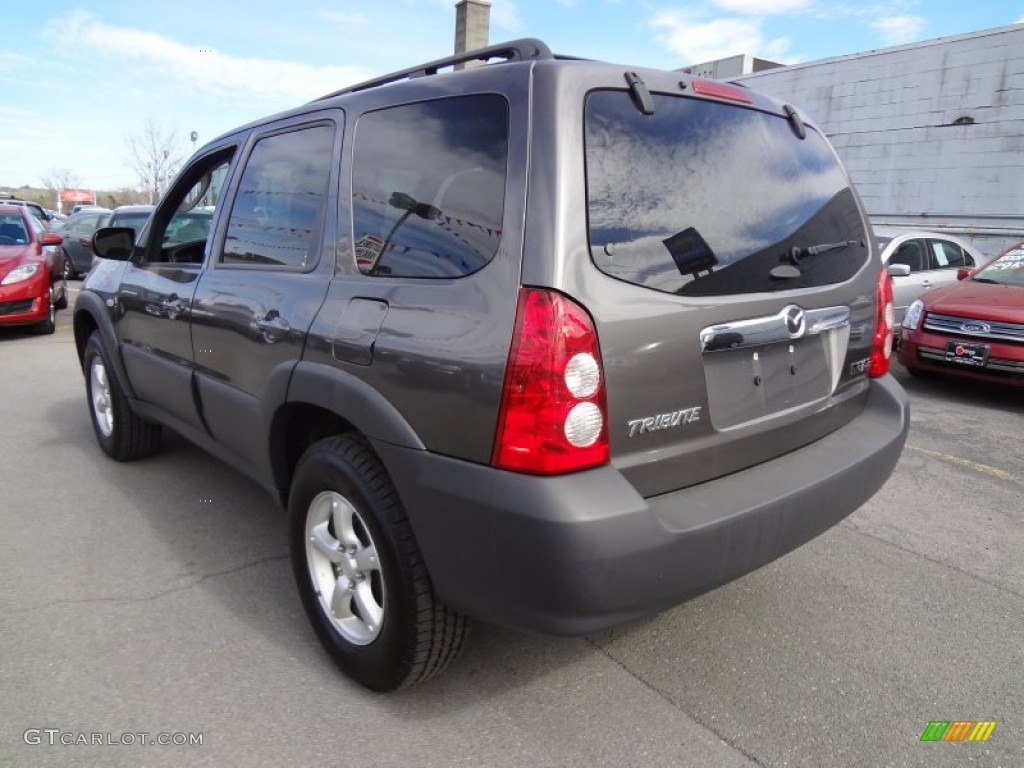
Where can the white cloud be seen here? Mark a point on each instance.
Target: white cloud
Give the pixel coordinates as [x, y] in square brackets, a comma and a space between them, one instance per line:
[762, 7]
[14, 60]
[895, 30]
[505, 15]
[696, 41]
[211, 72]
[345, 19]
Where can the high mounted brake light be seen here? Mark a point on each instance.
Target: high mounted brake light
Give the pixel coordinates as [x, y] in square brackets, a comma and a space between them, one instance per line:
[553, 414]
[720, 91]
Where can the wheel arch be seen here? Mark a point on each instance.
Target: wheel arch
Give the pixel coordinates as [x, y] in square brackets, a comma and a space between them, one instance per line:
[323, 401]
[91, 315]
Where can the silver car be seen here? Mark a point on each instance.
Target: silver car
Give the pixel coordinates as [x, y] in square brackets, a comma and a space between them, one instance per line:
[920, 261]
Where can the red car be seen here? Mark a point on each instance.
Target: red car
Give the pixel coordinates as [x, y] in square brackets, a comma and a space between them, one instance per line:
[32, 284]
[973, 329]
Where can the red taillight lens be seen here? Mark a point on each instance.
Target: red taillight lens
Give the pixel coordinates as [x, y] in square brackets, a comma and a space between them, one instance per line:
[885, 323]
[721, 91]
[553, 417]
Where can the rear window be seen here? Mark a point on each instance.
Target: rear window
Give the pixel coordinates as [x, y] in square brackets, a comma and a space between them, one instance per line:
[703, 198]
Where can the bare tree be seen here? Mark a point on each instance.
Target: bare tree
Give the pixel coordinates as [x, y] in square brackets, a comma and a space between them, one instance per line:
[57, 179]
[155, 153]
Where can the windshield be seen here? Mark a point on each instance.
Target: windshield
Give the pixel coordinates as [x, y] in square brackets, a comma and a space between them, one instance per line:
[12, 229]
[1008, 269]
[703, 198]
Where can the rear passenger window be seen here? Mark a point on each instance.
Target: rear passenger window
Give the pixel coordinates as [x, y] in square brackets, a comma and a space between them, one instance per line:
[428, 186]
[277, 212]
[949, 255]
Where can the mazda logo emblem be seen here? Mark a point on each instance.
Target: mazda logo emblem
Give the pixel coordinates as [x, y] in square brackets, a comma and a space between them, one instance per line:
[794, 317]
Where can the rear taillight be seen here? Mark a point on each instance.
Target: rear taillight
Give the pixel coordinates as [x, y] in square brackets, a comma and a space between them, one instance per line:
[554, 416]
[885, 322]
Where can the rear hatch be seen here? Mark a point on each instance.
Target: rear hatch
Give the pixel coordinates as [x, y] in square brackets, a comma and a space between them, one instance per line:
[728, 270]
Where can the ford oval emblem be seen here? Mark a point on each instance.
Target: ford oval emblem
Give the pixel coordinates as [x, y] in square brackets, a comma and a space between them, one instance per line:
[975, 326]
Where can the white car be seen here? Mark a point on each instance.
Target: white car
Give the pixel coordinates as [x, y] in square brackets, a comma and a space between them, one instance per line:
[920, 261]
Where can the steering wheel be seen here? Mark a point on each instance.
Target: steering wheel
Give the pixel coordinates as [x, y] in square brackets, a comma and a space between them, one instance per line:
[5, 240]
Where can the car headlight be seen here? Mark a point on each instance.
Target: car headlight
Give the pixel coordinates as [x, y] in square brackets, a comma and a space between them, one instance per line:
[16, 275]
[914, 314]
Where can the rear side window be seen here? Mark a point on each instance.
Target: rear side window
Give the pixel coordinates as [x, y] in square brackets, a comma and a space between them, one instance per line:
[950, 255]
[428, 187]
[703, 198]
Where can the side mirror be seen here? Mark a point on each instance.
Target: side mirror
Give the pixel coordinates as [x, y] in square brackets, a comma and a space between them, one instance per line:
[116, 243]
[51, 238]
[898, 270]
[963, 273]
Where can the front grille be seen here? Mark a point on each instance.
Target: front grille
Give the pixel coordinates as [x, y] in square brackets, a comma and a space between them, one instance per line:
[994, 364]
[15, 307]
[953, 325]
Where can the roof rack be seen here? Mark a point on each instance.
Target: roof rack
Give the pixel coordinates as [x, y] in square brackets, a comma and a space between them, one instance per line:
[525, 49]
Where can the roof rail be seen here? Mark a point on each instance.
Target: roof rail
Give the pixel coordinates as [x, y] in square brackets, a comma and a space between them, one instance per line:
[525, 49]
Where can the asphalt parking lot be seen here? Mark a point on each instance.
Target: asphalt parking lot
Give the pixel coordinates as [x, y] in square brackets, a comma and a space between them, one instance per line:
[156, 598]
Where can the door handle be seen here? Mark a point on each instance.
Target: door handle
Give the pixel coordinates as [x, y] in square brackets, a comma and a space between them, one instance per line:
[273, 326]
[173, 306]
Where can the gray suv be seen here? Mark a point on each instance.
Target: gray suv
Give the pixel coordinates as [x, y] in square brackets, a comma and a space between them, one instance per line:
[548, 343]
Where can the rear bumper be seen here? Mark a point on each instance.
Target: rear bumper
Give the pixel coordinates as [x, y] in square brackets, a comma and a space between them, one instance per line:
[578, 553]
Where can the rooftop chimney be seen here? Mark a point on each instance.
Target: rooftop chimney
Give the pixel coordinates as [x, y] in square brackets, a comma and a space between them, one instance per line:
[472, 23]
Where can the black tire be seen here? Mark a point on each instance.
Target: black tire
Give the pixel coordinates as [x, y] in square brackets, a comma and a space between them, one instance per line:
[417, 636]
[49, 325]
[62, 302]
[122, 434]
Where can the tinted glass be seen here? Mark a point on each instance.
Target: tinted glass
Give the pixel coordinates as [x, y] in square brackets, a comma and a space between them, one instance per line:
[703, 198]
[12, 229]
[277, 213]
[950, 255]
[1008, 269]
[87, 223]
[133, 220]
[428, 186]
[912, 254]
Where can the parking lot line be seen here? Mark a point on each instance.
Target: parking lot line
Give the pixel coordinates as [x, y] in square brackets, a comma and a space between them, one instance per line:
[1002, 474]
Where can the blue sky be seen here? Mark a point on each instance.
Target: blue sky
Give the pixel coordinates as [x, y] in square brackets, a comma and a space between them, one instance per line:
[77, 77]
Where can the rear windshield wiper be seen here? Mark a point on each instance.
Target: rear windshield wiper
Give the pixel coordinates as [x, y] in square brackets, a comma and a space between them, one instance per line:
[985, 280]
[796, 253]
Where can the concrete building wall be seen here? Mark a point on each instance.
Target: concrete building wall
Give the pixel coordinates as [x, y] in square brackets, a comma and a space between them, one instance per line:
[932, 133]
[730, 67]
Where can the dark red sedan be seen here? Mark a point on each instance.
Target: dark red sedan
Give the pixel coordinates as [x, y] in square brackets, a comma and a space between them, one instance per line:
[32, 285]
[972, 329]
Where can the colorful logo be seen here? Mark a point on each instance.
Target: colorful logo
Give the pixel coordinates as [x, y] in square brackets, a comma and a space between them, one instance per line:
[958, 730]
